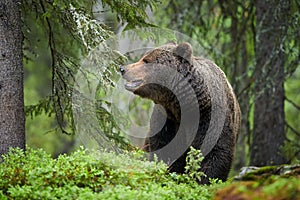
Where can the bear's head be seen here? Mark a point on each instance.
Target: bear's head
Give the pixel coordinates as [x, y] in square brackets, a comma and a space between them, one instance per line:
[156, 74]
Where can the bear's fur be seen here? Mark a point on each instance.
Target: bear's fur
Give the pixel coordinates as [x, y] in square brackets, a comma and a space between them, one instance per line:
[197, 72]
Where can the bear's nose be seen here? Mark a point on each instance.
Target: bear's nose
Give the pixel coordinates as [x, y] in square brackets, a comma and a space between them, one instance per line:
[122, 70]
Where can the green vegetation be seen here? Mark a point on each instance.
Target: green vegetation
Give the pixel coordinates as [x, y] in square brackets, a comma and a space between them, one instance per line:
[94, 175]
[265, 187]
[104, 175]
[268, 182]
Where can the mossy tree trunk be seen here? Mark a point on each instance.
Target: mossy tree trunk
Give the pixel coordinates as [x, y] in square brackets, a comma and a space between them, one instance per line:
[269, 118]
[12, 119]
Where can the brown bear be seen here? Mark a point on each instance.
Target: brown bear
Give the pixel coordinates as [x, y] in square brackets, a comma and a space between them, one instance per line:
[194, 106]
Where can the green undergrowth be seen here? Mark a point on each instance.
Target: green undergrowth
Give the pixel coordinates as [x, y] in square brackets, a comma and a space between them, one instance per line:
[94, 175]
[266, 183]
[275, 187]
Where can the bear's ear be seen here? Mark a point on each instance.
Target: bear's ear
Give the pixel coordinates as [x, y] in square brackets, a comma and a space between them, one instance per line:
[185, 51]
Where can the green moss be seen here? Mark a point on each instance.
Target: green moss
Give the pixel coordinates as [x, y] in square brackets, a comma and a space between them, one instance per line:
[265, 185]
[260, 174]
[264, 173]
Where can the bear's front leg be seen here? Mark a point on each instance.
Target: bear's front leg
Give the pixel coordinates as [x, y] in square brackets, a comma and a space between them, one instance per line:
[162, 130]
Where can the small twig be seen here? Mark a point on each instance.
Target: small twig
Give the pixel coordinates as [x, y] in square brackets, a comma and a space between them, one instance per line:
[59, 113]
[291, 102]
[250, 82]
[292, 129]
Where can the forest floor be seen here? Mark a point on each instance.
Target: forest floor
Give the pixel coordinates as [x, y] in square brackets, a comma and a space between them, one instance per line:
[106, 175]
[270, 182]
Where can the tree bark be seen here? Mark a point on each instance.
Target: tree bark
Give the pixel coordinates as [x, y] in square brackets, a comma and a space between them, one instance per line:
[12, 119]
[268, 130]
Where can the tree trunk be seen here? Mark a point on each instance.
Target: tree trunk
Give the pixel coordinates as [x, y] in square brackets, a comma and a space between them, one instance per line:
[12, 119]
[268, 130]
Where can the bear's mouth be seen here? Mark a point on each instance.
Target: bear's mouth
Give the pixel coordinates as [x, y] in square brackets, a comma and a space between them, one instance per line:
[133, 85]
